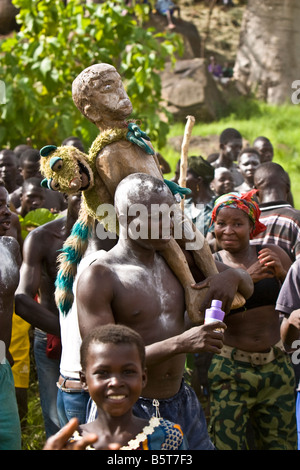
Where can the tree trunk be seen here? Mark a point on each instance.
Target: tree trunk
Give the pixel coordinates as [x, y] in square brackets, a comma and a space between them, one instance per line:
[268, 60]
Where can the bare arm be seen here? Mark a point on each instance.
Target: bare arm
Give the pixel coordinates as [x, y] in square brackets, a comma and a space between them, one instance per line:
[224, 285]
[30, 277]
[276, 260]
[202, 338]
[290, 328]
[94, 296]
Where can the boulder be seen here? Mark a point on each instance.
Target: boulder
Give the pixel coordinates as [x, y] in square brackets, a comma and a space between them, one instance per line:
[185, 29]
[189, 89]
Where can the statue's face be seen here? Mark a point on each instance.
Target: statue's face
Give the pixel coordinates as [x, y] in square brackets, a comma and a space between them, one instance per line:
[107, 99]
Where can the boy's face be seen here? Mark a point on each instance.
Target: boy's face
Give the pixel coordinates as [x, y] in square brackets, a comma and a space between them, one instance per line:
[114, 377]
[223, 183]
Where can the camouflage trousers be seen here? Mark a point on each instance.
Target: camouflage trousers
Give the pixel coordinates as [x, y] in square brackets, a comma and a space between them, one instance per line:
[246, 396]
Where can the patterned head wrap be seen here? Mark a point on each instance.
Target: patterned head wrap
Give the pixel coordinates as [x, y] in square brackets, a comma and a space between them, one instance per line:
[246, 203]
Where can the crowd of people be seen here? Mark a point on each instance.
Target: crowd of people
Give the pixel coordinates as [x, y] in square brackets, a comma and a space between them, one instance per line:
[107, 386]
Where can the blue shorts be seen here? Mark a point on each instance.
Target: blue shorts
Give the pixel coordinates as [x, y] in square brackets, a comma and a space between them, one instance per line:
[183, 409]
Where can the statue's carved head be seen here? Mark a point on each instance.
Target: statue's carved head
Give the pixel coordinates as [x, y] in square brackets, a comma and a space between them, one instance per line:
[99, 94]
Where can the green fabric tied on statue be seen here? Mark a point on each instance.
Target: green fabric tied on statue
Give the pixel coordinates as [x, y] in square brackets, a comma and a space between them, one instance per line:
[138, 137]
[176, 189]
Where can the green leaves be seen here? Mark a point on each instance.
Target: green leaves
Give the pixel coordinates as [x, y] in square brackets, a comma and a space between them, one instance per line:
[36, 218]
[55, 43]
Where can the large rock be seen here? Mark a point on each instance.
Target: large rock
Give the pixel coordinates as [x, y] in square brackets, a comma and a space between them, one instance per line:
[185, 29]
[189, 89]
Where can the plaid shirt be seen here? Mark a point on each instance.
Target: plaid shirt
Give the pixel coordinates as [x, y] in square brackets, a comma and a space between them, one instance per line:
[283, 227]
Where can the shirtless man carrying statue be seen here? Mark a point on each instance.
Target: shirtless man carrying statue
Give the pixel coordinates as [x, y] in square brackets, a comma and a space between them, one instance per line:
[134, 283]
[99, 94]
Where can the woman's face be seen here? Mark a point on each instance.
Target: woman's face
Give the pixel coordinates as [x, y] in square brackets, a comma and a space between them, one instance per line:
[232, 229]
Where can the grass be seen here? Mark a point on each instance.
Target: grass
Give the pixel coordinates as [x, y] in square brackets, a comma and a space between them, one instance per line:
[253, 119]
[33, 436]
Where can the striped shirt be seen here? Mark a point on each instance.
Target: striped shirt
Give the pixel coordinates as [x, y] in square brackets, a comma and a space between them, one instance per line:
[283, 227]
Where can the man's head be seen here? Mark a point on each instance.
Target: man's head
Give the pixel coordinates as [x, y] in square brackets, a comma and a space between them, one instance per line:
[33, 195]
[99, 95]
[248, 161]
[8, 166]
[5, 213]
[144, 205]
[231, 143]
[19, 149]
[73, 142]
[272, 182]
[265, 149]
[30, 164]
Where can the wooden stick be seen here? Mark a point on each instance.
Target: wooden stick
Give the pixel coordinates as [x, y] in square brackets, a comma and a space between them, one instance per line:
[184, 153]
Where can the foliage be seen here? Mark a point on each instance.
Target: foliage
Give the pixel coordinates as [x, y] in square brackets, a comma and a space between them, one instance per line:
[54, 44]
[35, 218]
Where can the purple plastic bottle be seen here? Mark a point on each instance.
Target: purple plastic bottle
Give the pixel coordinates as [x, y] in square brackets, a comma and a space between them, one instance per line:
[215, 313]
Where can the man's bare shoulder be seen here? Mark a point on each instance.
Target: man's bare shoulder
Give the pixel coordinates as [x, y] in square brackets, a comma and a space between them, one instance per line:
[95, 273]
[48, 230]
[98, 261]
[11, 244]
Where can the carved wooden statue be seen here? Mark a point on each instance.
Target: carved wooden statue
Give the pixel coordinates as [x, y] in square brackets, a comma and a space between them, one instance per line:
[120, 149]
